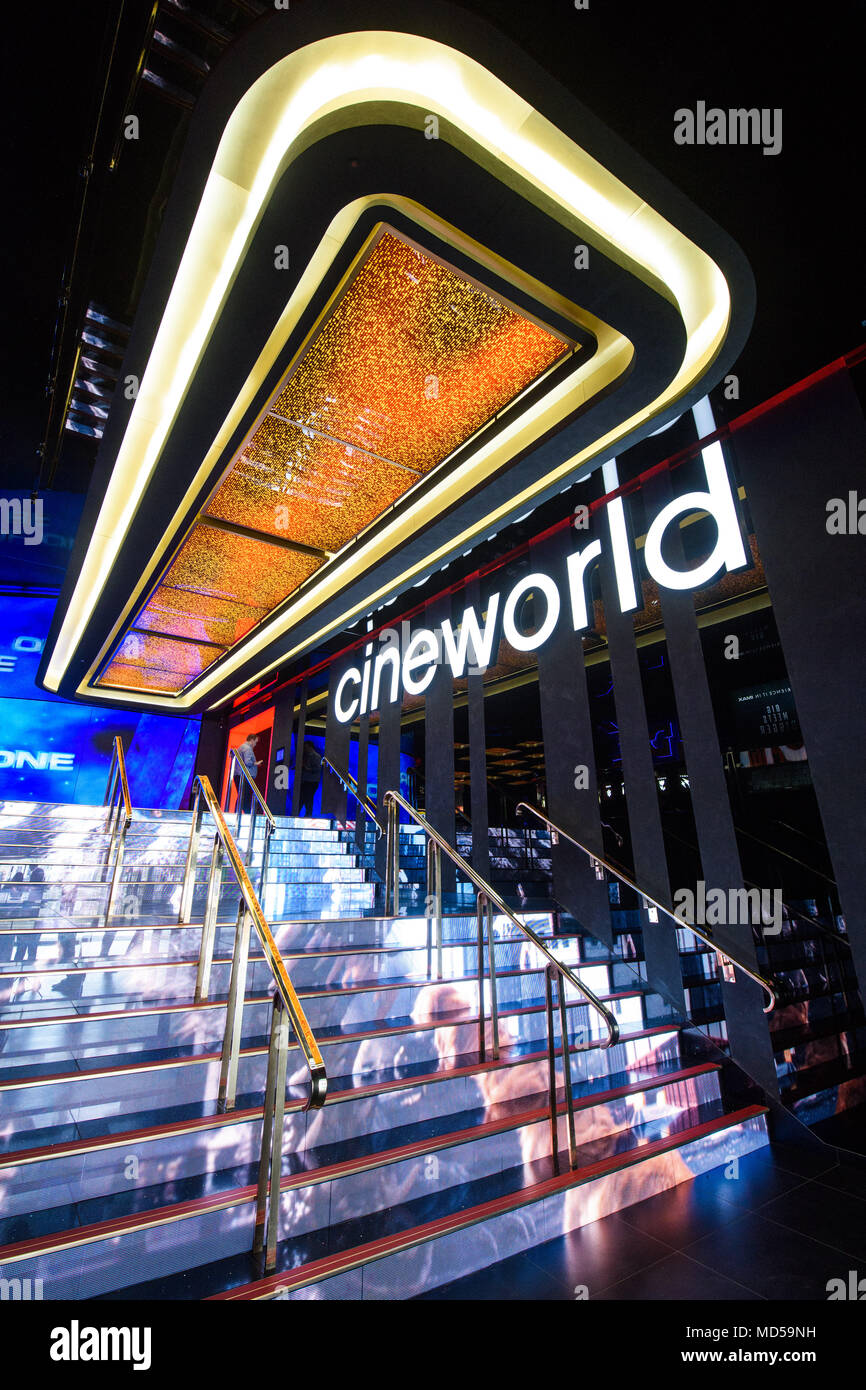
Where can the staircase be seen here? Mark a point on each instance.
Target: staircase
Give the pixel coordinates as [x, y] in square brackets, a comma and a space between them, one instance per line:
[119, 1178]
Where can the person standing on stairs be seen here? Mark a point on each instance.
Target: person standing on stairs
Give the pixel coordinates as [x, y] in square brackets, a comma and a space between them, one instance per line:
[311, 775]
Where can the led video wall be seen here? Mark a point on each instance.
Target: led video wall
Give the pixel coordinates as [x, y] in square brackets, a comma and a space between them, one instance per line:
[57, 750]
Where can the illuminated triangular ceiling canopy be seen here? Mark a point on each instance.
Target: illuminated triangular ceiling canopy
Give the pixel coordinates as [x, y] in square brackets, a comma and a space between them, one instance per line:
[413, 359]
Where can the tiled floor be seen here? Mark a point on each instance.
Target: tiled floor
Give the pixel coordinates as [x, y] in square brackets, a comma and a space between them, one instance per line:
[788, 1222]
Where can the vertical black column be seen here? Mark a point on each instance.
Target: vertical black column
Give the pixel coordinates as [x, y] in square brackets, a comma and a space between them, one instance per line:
[363, 747]
[641, 794]
[568, 751]
[439, 744]
[743, 1000]
[793, 462]
[210, 753]
[284, 718]
[388, 777]
[337, 739]
[478, 753]
[299, 748]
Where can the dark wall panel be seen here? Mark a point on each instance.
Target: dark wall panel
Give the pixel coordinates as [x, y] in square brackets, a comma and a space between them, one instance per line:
[477, 756]
[389, 761]
[793, 461]
[299, 748]
[337, 739]
[211, 751]
[641, 794]
[363, 751]
[567, 733]
[439, 744]
[284, 718]
[720, 859]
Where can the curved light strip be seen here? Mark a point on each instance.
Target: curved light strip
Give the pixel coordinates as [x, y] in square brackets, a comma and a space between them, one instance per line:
[334, 80]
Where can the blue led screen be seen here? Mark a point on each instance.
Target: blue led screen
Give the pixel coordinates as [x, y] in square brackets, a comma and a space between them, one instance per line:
[58, 750]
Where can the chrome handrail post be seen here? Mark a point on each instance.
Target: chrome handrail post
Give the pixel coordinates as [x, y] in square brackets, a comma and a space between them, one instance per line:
[118, 864]
[551, 1068]
[389, 888]
[208, 925]
[111, 825]
[392, 862]
[288, 1012]
[494, 989]
[271, 1158]
[234, 1013]
[186, 893]
[112, 772]
[480, 904]
[435, 863]
[566, 1075]
[252, 835]
[429, 905]
[266, 856]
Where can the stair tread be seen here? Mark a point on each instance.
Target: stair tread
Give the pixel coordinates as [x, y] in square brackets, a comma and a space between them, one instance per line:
[628, 1142]
[96, 1135]
[14, 1078]
[310, 1258]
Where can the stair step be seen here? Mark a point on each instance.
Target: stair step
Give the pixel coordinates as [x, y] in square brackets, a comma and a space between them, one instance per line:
[372, 1065]
[86, 1170]
[551, 1191]
[165, 1240]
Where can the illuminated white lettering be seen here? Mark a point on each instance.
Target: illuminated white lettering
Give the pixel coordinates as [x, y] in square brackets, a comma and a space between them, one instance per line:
[531, 583]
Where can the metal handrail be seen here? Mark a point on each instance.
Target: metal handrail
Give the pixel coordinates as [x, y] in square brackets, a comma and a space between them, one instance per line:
[722, 953]
[487, 901]
[783, 853]
[348, 781]
[257, 803]
[793, 912]
[286, 1009]
[241, 765]
[116, 795]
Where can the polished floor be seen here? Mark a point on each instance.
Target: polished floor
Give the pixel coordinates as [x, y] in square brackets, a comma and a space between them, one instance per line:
[790, 1220]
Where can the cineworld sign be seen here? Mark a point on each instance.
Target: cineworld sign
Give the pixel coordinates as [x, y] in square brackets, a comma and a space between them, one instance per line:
[360, 690]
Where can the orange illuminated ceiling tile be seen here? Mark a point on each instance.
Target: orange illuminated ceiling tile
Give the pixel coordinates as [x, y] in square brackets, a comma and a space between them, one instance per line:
[148, 650]
[242, 569]
[202, 617]
[125, 677]
[304, 488]
[414, 359]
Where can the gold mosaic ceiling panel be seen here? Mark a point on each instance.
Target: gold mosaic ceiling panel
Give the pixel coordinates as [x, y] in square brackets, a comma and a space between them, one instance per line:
[199, 616]
[412, 360]
[292, 484]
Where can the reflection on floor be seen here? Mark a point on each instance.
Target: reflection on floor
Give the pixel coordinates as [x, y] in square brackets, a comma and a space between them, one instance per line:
[790, 1221]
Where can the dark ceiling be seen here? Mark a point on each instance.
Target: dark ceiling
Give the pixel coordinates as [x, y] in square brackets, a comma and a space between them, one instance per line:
[797, 215]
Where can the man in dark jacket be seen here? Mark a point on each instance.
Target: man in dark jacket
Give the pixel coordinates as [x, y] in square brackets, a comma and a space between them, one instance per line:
[311, 775]
[246, 751]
